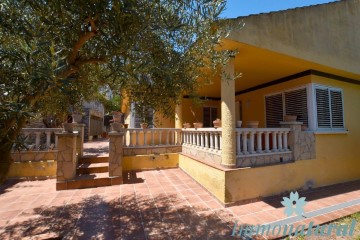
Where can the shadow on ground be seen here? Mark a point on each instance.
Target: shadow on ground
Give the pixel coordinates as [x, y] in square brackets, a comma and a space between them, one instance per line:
[128, 217]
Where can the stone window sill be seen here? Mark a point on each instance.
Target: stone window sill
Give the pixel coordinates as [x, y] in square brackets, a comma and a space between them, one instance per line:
[329, 132]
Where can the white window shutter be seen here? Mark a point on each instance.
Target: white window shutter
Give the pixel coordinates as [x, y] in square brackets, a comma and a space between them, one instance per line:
[323, 108]
[296, 104]
[337, 117]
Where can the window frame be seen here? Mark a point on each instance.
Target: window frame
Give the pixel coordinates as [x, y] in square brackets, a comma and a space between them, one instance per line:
[312, 106]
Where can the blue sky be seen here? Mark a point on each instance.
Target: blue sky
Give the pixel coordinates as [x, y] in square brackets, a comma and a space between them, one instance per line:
[236, 8]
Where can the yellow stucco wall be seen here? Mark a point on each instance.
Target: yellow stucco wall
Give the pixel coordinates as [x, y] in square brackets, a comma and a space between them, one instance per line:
[32, 169]
[211, 178]
[144, 162]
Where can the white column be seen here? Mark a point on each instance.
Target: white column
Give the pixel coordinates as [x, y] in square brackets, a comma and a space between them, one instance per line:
[228, 153]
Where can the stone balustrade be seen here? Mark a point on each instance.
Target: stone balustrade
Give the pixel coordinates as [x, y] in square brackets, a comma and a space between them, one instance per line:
[36, 135]
[261, 140]
[138, 137]
[203, 138]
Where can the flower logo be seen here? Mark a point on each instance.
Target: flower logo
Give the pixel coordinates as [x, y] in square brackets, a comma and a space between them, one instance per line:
[294, 204]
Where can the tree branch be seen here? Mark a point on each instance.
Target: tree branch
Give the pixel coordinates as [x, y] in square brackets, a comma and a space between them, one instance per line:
[83, 38]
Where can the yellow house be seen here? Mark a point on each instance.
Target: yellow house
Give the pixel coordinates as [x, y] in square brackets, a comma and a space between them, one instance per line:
[301, 63]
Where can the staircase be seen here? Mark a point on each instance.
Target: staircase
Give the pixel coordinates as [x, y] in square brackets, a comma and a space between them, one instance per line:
[91, 172]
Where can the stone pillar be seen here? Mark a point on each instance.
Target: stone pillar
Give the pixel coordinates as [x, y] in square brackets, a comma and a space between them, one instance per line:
[80, 138]
[66, 157]
[115, 153]
[228, 153]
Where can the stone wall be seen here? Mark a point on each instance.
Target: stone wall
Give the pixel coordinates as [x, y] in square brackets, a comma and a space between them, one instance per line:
[256, 160]
[132, 151]
[202, 154]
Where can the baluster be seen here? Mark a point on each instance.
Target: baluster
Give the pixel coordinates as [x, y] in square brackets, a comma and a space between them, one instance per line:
[37, 139]
[216, 141]
[48, 137]
[197, 139]
[220, 140]
[152, 137]
[252, 142]
[285, 147]
[130, 138]
[238, 143]
[145, 137]
[244, 142]
[206, 139]
[274, 145]
[202, 139]
[136, 138]
[267, 147]
[280, 141]
[211, 140]
[172, 137]
[56, 141]
[259, 142]
[167, 132]
[160, 137]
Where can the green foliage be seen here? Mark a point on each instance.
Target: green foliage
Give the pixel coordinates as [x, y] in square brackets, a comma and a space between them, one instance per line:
[56, 54]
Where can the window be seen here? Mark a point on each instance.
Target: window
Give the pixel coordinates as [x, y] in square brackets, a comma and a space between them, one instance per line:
[329, 108]
[209, 115]
[287, 103]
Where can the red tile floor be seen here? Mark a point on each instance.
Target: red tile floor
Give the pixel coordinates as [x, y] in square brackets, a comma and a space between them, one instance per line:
[156, 204]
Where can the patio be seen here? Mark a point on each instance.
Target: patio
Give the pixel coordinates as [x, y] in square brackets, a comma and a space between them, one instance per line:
[155, 204]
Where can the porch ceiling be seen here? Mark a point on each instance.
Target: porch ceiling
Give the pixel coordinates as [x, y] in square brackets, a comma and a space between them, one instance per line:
[258, 66]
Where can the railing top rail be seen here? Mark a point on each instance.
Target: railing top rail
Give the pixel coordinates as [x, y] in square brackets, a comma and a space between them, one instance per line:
[201, 129]
[262, 129]
[42, 129]
[151, 129]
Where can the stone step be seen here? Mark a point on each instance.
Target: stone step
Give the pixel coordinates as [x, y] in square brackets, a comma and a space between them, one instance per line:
[88, 168]
[89, 181]
[91, 159]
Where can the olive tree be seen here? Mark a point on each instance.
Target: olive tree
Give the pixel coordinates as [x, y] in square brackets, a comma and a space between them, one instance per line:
[61, 51]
